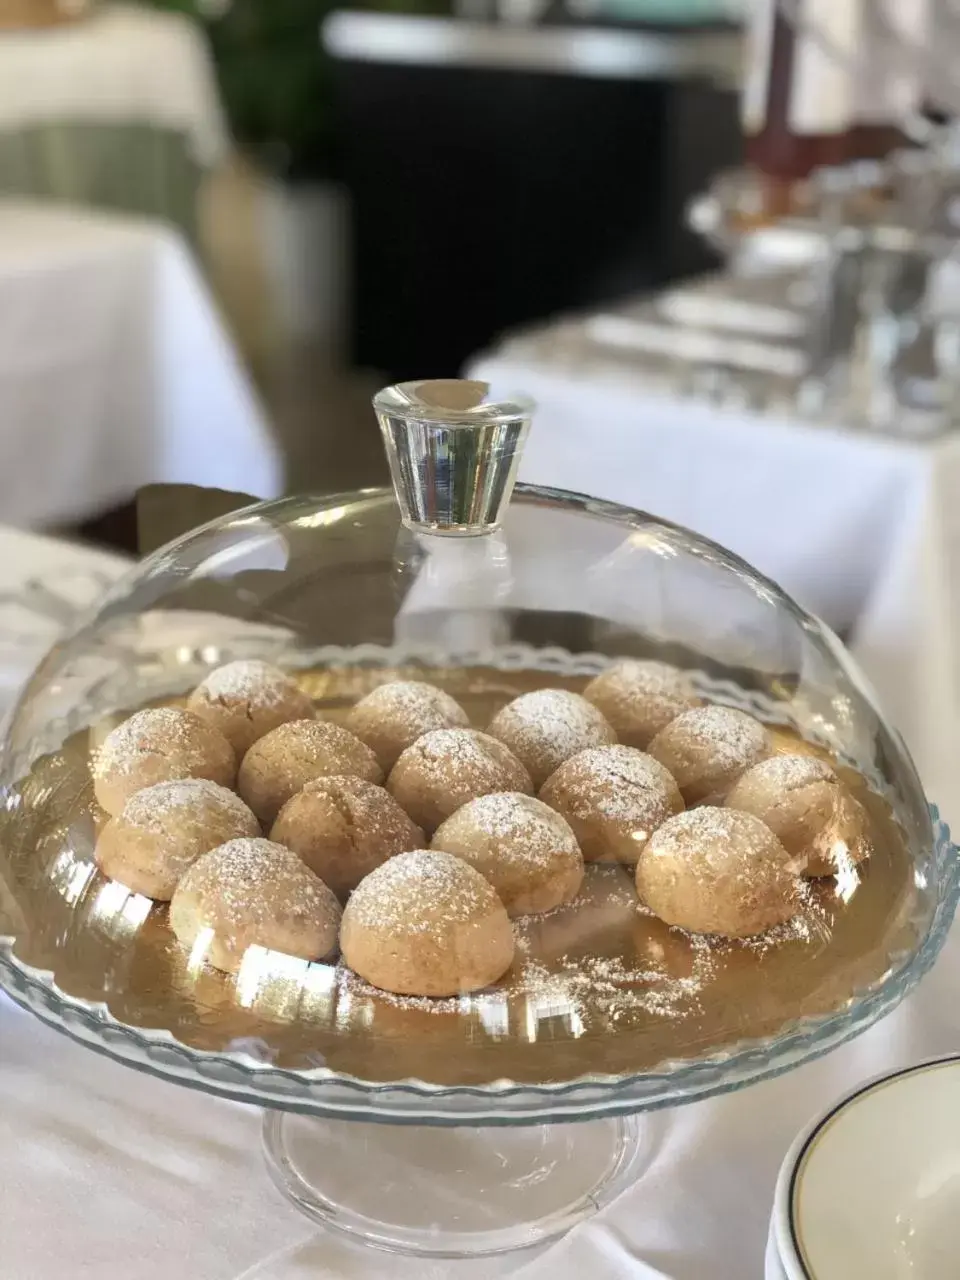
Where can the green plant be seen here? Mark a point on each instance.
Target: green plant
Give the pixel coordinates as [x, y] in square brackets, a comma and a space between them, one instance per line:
[275, 77]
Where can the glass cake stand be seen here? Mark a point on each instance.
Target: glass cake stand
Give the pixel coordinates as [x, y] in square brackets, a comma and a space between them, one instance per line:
[446, 1128]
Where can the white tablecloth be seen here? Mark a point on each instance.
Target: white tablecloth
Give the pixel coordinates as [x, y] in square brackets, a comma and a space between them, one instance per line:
[125, 64]
[44, 583]
[863, 531]
[107, 1174]
[115, 370]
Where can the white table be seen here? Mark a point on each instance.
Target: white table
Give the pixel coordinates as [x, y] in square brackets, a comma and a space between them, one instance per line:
[115, 370]
[44, 582]
[861, 530]
[108, 1174]
[101, 1166]
[125, 63]
[120, 110]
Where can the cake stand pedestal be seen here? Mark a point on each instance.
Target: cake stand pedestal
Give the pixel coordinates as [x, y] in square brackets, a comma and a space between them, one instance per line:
[457, 1192]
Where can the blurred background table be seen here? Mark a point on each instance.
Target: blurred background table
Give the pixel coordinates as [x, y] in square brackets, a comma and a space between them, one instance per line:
[44, 584]
[119, 110]
[860, 528]
[115, 371]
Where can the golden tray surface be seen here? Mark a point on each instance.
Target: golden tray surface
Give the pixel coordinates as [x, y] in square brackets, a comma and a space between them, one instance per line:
[597, 988]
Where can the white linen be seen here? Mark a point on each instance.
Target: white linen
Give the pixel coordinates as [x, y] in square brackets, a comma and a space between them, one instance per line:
[101, 1165]
[115, 370]
[44, 582]
[109, 1174]
[122, 65]
[861, 530]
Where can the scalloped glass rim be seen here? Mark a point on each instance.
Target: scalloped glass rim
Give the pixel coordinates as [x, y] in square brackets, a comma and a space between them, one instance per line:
[321, 1091]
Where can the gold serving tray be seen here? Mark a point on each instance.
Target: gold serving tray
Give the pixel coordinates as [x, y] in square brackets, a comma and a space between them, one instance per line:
[599, 987]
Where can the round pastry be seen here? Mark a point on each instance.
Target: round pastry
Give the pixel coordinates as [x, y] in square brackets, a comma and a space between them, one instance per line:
[159, 744]
[165, 828]
[426, 924]
[614, 798]
[708, 748]
[395, 715]
[718, 871]
[246, 699]
[544, 728]
[342, 828]
[807, 807]
[293, 754]
[640, 698]
[445, 768]
[524, 848]
[254, 893]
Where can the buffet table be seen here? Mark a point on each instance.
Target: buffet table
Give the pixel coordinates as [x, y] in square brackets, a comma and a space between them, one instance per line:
[860, 529]
[119, 111]
[115, 370]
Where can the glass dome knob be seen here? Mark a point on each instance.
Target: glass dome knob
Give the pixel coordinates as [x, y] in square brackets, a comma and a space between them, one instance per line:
[453, 452]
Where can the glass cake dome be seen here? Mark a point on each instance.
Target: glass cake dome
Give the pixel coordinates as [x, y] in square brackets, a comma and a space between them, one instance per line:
[458, 577]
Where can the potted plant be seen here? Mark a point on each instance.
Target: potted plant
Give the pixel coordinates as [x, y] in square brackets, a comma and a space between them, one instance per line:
[276, 83]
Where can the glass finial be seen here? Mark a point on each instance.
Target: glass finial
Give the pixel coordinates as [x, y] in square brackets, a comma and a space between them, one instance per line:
[453, 451]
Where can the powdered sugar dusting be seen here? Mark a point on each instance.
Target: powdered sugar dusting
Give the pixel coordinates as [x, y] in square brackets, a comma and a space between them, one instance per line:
[811, 925]
[154, 731]
[618, 783]
[459, 747]
[667, 976]
[589, 991]
[153, 807]
[786, 773]
[370, 814]
[419, 892]
[618, 764]
[415, 705]
[640, 697]
[510, 813]
[528, 830]
[396, 714]
[467, 755]
[318, 742]
[249, 680]
[742, 838]
[632, 676]
[718, 871]
[608, 990]
[604, 992]
[245, 877]
[554, 722]
[732, 738]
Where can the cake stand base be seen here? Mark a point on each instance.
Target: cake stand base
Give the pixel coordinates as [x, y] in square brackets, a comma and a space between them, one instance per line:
[451, 1192]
